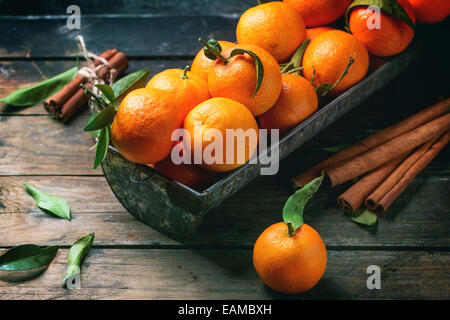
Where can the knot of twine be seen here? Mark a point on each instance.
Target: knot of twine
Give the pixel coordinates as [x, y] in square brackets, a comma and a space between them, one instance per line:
[90, 72]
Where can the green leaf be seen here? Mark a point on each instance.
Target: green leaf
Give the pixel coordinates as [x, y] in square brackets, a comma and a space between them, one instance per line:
[94, 133]
[258, 64]
[27, 257]
[297, 57]
[338, 148]
[102, 146]
[390, 7]
[41, 91]
[53, 204]
[365, 217]
[129, 83]
[107, 92]
[100, 102]
[101, 120]
[295, 205]
[211, 48]
[76, 254]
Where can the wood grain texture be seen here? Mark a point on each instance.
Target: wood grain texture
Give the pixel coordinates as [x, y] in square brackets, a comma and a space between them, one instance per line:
[42, 145]
[131, 261]
[18, 74]
[411, 222]
[229, 274]
[178, 7]
[171, 36]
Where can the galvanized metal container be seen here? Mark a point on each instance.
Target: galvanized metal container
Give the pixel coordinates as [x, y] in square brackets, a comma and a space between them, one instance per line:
[177, 210]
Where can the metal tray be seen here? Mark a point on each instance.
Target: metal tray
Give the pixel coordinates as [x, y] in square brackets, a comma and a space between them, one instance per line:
[176, 210]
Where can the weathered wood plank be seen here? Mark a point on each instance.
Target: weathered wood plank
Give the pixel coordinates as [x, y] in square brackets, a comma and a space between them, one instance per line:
[229, 274]
[18, 74]
[136, 36]
[179, 7]
[419, 218]
[42, 145]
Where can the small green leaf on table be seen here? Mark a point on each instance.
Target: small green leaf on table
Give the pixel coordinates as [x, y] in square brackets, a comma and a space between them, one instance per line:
[76, 254]
[338, 148]
[25, 261]
[41, 91]
[364, 217]
[53, 204]
[295, 205]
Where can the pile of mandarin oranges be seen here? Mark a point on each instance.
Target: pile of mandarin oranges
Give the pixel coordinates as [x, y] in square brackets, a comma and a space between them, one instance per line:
[260, 82]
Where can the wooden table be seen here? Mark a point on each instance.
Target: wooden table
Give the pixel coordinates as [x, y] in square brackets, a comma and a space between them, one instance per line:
[129, 260]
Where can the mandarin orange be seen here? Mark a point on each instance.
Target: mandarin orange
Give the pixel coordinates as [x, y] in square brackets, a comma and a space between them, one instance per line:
[290, 264]
[202, 64]
[236, 79]
[273, 26]
[185, 88]
[217, 115]
[143, 125]
[327, 57]
[391, 38]
[311, 33]
[186, 173]
[298, 100]
[430, 11]
[319, 12]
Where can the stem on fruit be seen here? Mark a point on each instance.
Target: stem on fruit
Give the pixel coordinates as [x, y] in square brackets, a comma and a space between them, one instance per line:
[351, 60]
[291, 230]
[184, 75]
[213, 50]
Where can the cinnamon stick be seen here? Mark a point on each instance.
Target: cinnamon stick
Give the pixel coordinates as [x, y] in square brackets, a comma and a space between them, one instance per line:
[397, 174]
[118, 62]
[55, 102]
[383, 153]
[71, 106]
[386, 201]
[354, 197]
[374, 140]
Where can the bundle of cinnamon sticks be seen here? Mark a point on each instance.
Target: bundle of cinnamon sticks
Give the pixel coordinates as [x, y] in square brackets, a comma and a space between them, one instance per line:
[387, 161]
[71, 99]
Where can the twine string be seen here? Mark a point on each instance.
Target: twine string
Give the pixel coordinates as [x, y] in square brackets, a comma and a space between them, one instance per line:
[90, 72]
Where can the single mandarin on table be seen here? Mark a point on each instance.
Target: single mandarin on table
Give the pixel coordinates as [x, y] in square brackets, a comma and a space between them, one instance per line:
[391, 38]
[236, 79]
[317, 13]
[143, 125]
[202, 64]
[298, 100]
[185, 88]
[220, 115]
[290, 264]
[274, 26]
[327, 57]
